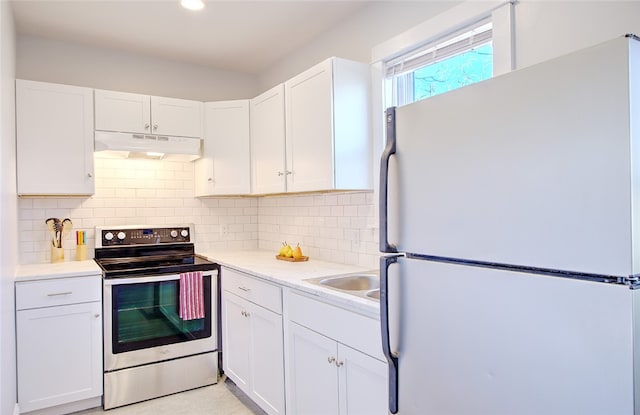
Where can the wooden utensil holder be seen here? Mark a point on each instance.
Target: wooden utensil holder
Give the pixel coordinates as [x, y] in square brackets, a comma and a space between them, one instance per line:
[57, 254]
[81, 252]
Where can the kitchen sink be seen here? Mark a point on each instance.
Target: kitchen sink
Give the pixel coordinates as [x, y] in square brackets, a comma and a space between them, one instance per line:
[353, 282]
[375, 294]
[365, 285]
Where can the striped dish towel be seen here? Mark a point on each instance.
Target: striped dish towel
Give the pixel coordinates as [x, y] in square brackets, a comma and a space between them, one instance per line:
[191, 296]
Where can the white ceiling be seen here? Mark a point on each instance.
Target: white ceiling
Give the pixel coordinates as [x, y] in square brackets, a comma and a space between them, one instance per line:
[236, 35]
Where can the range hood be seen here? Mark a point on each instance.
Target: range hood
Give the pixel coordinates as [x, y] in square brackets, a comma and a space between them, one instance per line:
[148, 146]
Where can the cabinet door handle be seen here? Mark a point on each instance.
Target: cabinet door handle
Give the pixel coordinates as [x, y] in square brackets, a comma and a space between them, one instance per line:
[96, 315]
[331, 359]
[280, 173]
[89, 175]
[245, 289]
[155, 127]
[57, 294]
[146, 126]
[339, 363]
[288, 172]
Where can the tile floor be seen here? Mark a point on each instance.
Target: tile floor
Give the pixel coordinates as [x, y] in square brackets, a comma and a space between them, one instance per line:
[223, 398]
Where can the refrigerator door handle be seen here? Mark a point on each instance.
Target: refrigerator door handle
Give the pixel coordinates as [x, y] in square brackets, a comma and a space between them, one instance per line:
[392, 360]
[389, 150]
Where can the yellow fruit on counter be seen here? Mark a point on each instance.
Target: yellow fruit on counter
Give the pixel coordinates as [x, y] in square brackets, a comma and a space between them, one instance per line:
[283, 249]
[286, 250]
[297, 252]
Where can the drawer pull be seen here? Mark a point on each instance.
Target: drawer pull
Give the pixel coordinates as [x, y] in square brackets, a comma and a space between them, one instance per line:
[57, 294]
[245, 289]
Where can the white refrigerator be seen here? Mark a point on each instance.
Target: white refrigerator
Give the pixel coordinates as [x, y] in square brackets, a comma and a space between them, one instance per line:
[510, 227]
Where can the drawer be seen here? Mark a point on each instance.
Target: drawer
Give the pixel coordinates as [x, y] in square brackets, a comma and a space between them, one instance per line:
[58, 291]
[347, 327]
[253, 289]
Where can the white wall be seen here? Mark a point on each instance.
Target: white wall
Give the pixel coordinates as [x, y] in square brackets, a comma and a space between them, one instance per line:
[41, 59]
[336, 227]
[546, 29]
[134, 192]
[333, 227]
[8, 212]
[354, 37]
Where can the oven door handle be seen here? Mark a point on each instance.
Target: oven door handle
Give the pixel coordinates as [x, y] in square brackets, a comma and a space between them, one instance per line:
[140, 280]
[143, 280]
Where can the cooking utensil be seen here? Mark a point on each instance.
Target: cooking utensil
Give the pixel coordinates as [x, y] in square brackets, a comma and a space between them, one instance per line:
[59, 229]
[51, 224]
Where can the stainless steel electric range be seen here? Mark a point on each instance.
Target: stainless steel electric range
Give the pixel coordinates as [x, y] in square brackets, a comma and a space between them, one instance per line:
[149, 350]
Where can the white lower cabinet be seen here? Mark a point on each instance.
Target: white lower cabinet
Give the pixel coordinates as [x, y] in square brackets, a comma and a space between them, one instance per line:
[59, 344]
[313, 372]
[252, 336]
[326, 376]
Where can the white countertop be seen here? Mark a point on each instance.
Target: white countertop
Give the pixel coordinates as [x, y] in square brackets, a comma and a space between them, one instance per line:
[259, 263]
[31, 272]
[264, 264]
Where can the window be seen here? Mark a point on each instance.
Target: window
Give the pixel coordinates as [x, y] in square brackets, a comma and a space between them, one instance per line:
[461, 58]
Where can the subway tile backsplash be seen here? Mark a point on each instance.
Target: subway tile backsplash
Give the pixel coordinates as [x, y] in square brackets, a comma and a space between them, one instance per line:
[338, 227]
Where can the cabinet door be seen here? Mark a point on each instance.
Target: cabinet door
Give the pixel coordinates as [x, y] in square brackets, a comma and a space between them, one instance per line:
[179, 117]
[224, 168]
[54, 127]
[309, 132]
[267, 142]
[235, 337]
[59, 355]
[363, 383]
[122, 111]
[267, 359]
[313, 372]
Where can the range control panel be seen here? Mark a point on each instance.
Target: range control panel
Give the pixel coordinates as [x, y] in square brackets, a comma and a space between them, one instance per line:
[143, 236]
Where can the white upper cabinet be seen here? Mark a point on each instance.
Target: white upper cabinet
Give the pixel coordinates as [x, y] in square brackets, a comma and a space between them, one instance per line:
[54, 127]
[224, 168]
[136, 113]
[122, 111]
[268, 173]
[328, 140]
[172, 116]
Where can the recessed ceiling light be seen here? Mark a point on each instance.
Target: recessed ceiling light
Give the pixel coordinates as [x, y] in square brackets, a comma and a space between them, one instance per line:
[192, 4]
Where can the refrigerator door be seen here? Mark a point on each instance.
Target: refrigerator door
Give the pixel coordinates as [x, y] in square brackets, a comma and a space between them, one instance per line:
[475, 341]
[530, 168]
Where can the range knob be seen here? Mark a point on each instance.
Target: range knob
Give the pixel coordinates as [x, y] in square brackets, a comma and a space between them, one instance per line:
[108, 236]
[174, 233]
[121, 235]
[184, 233]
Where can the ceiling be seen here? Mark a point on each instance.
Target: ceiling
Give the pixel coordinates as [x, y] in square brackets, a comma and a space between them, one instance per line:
[236, 35]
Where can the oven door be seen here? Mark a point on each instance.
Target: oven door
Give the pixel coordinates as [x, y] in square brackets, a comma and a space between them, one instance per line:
[142, 325]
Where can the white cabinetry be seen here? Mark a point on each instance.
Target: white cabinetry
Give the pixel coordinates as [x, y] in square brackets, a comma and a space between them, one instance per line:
[54, 126]
[136, 113]
[268, 173]
[252, 336]
[59, 344]
[224, 168]
[328, 140]
[334, 361]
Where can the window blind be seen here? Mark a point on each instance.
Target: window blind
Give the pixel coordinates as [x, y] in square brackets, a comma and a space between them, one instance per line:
[451, 45]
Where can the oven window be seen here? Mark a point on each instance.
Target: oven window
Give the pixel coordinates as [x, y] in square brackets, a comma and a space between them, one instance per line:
[146, 315]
